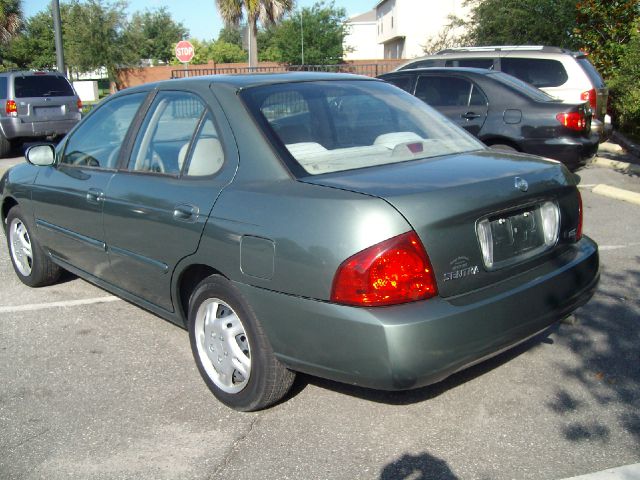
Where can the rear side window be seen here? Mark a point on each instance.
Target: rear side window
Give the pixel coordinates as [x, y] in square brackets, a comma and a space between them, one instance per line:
[41, 86]
[3, 87]
[471, 63]
[536, 71]
[592, 73]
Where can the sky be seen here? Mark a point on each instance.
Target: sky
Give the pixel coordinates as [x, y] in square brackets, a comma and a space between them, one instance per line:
[201, 16]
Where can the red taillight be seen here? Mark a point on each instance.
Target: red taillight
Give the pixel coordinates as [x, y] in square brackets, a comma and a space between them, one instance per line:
[573, 120]
[591, 97]
[391, 272]
[580, 216]
[79, 104]
[11, 108]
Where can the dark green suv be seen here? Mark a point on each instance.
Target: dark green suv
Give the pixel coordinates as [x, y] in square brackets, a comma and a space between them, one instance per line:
[35, 105]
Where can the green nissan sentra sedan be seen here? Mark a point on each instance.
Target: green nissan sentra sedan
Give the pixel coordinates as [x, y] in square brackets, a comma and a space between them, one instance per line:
[320, 223]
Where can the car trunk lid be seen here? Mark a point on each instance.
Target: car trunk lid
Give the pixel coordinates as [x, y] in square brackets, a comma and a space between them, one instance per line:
[444, 198]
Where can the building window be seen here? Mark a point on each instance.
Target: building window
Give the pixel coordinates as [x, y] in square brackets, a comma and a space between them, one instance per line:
[391, 22]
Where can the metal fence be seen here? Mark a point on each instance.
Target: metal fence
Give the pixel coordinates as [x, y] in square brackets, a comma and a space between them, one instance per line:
[368, 69]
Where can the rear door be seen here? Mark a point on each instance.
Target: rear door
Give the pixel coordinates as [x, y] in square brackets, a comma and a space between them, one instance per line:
[459, 99]
[158, 202]
[44, 98]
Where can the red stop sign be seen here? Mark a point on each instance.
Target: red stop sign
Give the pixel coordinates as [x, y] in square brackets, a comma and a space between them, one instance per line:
[184, 51]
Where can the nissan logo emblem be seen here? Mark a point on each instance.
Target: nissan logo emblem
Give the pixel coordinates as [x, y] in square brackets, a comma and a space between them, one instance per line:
[521, 184]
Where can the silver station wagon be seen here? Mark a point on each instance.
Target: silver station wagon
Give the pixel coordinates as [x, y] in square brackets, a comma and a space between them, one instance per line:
[319, 223]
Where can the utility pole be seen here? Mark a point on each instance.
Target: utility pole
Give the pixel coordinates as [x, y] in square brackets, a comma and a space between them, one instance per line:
[57, 28]
[301, 37]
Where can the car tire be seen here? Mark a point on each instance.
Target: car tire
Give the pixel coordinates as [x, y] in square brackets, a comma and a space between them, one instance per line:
[231, 349]
[31, 264]
[5, 146]
[504, 147]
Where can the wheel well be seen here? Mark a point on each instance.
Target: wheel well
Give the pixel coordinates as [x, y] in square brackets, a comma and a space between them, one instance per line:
[8, 204]
[502, 141]
[189, 279]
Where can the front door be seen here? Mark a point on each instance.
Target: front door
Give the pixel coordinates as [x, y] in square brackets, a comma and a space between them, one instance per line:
[68, 197]
[156, 208]
[457, 98]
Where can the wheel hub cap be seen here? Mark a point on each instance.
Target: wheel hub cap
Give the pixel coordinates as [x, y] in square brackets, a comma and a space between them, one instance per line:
[21, 250]
[223, 346]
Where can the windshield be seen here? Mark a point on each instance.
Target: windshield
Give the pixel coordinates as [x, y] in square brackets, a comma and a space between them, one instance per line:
[333, 126]
[522, 87]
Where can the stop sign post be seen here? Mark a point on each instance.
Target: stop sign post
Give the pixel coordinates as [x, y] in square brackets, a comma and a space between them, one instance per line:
[184, 52]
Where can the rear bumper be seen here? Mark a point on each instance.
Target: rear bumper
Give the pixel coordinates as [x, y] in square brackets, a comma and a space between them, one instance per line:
[572, 151]
[412, 345]
[602, 128]
[17, 128]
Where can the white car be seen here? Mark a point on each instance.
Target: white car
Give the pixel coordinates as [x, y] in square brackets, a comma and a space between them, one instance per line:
[564, 74]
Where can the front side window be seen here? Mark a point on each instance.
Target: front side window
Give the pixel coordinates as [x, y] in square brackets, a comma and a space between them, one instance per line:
[471, 63]
[405, 82]
[97, 141]
[443, 91]
[354, 124]
[166, 133]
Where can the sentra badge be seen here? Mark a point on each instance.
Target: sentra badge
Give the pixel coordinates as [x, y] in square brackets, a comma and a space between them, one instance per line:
[460, 268]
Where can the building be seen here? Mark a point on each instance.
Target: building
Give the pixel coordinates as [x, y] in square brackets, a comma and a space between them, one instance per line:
[400, 27]
[361, 40]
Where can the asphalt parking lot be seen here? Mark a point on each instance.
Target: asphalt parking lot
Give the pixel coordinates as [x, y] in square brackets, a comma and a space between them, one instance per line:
[96, 388]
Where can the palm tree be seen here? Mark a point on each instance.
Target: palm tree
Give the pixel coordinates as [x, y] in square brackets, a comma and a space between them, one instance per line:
[265, 11]
[10, 20]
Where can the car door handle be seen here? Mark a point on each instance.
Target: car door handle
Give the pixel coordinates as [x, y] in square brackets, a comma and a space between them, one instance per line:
[186, 213]
[95, 196]
[470, 115]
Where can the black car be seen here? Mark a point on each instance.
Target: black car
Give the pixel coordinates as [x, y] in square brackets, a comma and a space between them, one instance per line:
[504, 112]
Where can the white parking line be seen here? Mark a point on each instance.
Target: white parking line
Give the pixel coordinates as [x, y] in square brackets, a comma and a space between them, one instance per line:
[67, 303]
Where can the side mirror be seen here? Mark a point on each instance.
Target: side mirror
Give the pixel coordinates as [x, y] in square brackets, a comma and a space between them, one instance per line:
[41, 155]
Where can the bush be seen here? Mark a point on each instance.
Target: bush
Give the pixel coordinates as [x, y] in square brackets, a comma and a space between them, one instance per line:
[625, 87]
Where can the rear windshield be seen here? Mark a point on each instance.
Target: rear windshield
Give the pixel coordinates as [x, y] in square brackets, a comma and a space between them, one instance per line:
[522, 87]
[538, 72]
[333, 126]
[592, 73]
[41, 86]
[3, 87]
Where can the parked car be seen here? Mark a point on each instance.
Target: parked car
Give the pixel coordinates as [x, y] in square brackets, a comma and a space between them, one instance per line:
[504, 112]
[321, 223]
[35, 105]
[562, 73]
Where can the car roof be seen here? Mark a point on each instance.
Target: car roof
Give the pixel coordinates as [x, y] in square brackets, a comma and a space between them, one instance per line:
[28, 73]
[447, 70]
[242, 81]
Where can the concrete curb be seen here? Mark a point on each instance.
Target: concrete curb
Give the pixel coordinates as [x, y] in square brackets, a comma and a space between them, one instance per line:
[624, 167]
[617, 193]
[627, 472]
[627, 144]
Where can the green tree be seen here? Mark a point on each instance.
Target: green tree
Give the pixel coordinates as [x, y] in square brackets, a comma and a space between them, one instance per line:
[223, 52]
[94, 36]
[604, 29]
[625, 86]
[34, 48]
[323, 27]
[152, 34]
[521, 22]
[266, 12]
[10, 20]
[231, 34]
